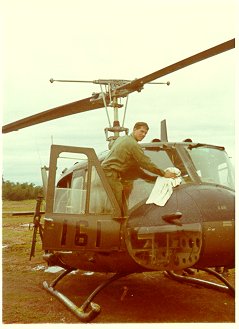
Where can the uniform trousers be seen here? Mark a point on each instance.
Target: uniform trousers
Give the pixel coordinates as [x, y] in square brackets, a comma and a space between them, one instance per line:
[114, 180]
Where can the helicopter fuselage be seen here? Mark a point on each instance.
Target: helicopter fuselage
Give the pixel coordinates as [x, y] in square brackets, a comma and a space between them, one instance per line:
[84, 227]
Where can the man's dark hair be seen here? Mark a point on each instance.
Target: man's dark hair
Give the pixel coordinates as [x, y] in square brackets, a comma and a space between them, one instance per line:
[141, 124]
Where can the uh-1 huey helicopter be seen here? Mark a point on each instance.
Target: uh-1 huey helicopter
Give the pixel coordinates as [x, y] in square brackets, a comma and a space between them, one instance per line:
[85, 229]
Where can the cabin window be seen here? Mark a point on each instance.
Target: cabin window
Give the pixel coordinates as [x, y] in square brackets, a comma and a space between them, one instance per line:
[79, 190]
[69, 200]
[70, 191]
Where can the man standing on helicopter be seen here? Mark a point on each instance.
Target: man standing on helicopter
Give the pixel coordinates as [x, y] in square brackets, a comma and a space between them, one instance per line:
[125, 160]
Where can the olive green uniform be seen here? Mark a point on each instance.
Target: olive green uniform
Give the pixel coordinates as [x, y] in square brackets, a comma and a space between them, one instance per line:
[124, 160]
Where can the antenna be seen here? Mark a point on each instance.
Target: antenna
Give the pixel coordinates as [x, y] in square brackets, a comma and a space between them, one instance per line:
[164, 134]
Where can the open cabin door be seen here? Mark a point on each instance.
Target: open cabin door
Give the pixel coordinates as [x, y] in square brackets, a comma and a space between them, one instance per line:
[81, 210]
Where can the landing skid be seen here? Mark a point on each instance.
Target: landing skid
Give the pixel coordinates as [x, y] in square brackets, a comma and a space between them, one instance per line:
[81, 312]
[94, 309]
[227, 287]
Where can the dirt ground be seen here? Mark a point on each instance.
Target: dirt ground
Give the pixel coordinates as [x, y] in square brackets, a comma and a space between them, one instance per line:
[138, 298]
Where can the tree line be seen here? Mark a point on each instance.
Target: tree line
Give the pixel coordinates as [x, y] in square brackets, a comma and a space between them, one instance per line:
[20, 191]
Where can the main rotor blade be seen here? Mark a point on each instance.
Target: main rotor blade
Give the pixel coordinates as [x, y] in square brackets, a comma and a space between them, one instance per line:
[83, 105]
[137, 84]
[92, 103]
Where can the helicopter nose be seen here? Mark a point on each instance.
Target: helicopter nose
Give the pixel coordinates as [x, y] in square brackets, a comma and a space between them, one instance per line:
[199, 233]
[171, 246]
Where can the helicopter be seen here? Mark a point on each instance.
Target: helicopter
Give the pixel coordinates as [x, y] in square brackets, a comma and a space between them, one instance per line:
[84, 227]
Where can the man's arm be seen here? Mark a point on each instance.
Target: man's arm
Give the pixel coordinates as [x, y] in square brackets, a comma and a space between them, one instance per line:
[144, 161]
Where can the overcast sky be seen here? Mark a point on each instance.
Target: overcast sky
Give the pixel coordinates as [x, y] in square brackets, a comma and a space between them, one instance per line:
[127, 39]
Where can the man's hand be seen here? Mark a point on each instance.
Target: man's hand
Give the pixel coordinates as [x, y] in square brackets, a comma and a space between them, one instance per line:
[169, 174]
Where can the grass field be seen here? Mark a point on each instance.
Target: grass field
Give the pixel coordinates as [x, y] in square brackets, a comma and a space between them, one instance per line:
[151, 297]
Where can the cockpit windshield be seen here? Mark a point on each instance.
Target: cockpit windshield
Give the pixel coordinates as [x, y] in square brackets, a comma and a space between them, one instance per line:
[163, 158]
[212, 165]
[197, 163]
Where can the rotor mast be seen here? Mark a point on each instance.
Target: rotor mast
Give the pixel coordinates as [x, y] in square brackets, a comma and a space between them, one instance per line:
[116, 128]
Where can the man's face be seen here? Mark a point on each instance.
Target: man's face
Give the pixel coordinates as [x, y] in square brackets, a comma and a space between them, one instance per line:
[140, 133]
